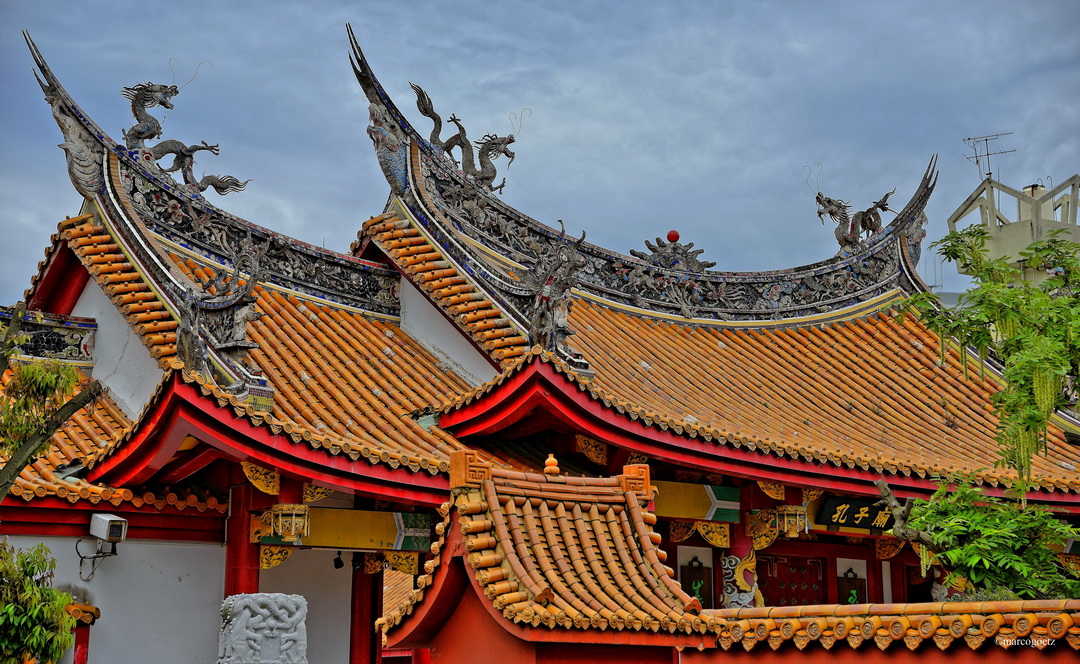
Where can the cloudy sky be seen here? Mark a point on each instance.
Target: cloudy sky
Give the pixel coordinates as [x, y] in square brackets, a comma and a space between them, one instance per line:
[646, 116]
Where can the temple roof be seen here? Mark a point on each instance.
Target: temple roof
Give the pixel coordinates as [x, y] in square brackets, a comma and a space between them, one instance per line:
[801, 364]
[561, 552]
[564, 559]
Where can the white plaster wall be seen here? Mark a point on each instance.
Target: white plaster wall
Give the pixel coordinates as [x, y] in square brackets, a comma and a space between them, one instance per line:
[843, 564]
[160, 601]
[328, 591]
[424, 322]
[121, 362]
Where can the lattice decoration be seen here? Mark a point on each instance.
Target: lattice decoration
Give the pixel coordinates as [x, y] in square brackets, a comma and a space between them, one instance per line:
[373, 563]
[716, 534]
[407, 562]
[761, 528]
[887, 547]
[593, 449]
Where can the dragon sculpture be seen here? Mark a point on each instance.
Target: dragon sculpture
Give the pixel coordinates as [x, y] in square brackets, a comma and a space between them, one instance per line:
[184, 159]
[550, 280]
[849, 228]
[147, 127]
[488, 148]
[142, 97]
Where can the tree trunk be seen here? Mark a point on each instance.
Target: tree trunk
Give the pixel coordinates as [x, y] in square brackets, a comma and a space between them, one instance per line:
[900, 513]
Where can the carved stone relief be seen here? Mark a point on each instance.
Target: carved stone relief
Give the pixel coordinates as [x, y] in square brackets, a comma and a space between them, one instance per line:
[263, 628]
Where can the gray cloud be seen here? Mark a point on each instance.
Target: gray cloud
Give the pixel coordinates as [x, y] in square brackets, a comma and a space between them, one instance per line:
[646, 116]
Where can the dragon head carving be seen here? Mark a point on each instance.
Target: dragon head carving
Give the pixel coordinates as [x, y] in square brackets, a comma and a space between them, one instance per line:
[149, 95]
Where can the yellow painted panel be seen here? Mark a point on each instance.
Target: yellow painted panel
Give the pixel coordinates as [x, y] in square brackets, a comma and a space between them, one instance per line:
[351, 529]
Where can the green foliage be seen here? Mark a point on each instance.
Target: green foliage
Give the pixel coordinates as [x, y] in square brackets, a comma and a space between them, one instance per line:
[34, 403]
[33, 620]
[998, 594]
[995, 543]
[35, 392]
[1033, 331]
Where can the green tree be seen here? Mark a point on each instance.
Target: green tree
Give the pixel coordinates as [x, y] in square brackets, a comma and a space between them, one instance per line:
[1032, 332]
[992, 542]
[35, 402]
[33, 617]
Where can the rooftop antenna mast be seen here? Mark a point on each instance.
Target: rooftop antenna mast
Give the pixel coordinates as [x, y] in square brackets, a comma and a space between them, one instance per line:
[981, 147]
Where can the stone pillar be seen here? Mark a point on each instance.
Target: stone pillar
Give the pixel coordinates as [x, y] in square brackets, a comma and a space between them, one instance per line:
[263, 628]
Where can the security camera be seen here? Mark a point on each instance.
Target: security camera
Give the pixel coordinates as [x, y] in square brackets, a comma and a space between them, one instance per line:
[108, 527]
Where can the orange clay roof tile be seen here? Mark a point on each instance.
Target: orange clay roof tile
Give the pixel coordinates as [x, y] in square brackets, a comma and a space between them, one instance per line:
[120, 280]
[580, 554]
[866, 392]
[81, 440]
[344, 381]
[424, 264]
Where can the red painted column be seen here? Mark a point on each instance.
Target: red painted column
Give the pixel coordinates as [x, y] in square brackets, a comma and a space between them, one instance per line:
[875, 589]
[241, 556]
[365, 644]
[421, 656]
[82, 643]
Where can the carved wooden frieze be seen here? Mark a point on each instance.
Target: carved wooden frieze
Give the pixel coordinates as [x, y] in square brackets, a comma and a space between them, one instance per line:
[272, 556]
[313, 494]
[774, 490]
[263, 479]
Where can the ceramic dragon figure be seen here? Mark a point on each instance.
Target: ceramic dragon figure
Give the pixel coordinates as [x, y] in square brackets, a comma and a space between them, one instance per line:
[142, 97]
[184, 160]
[550, 280]
[487, 148]
[849, 228]
[149, 95]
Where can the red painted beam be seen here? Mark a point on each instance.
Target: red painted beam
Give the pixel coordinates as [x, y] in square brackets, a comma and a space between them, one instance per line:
[540, 385]
[182, 410]
[365, 644]
[241, 555]
[188, 464]
[61, 283]
[52, 517]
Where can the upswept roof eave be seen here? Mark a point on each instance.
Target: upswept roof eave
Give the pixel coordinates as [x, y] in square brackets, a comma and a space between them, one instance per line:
[561, 592]
[605, 416]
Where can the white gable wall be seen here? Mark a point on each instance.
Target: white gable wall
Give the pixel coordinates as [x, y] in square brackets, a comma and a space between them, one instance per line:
[160, 601]
[424, 322]
[121, 362]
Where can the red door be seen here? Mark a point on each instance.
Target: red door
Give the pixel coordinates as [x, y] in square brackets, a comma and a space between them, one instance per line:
[791, 580]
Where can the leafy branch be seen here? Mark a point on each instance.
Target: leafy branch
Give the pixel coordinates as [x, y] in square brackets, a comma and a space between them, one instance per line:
[36, 401]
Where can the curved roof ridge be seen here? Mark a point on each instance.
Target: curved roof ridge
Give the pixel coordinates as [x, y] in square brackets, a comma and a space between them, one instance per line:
[423, 174]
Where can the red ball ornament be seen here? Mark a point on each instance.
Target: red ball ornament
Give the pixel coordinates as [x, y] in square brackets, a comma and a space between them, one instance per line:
[673, 236]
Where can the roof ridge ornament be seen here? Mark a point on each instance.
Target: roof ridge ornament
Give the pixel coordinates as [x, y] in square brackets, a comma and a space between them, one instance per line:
[221, 313]
[673, 255]
[850, 227]
[147, 127]
[550, 280]
[488, 148]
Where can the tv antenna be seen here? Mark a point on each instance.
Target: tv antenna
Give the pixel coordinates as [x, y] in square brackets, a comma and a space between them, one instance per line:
[981, 147]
